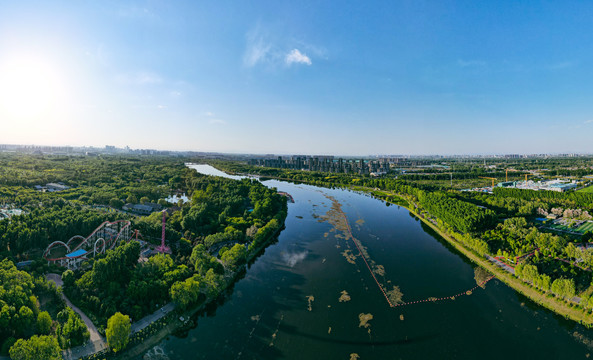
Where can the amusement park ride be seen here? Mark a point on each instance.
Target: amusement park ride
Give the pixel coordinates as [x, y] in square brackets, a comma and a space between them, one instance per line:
[105, 237]
[163, 249]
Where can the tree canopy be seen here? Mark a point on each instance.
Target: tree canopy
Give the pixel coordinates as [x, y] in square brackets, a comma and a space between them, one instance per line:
[118, 331]
[35, 348]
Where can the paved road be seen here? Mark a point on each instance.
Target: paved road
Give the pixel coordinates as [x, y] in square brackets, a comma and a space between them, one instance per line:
[500, 264]
[148, 319]
[96, 342]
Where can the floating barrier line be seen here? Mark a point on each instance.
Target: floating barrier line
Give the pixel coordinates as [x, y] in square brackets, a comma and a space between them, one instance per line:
[365, 260]
[432, 299]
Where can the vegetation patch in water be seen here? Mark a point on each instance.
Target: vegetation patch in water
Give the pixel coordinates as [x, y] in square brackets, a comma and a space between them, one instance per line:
[345, 296]
[379, 270]
[395, 295]
[481, 276]
[351, 258]
[310, 300]
[336, 217]
[583, 339]
[364, 320]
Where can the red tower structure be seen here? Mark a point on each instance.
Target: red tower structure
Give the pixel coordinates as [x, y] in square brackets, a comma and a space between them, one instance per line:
[162, 248]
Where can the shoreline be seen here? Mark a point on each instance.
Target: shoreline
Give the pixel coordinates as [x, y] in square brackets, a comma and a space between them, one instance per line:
[174, 325]
[547, 300]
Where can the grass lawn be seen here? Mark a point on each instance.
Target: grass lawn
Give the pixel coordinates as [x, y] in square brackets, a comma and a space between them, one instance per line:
[588, 226]
[587, 189]
[561, 227]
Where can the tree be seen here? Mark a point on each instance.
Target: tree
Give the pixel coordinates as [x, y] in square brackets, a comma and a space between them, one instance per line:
[186, 293]
[7, 345]
[144, 200]
[26, 319]
[235, 257]
[44, 323]
[564, 288]
[131, 199]
[68, 278]
[162, 202]
[37, 347]
[116, 203]
[175, 181]
[118, 331]
[74, 331]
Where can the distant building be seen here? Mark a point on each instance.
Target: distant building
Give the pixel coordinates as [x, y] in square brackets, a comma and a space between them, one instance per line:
[142, 209]
[52, 187]
[23, 264]
[562, 187]
[507, 184]
[8, 213]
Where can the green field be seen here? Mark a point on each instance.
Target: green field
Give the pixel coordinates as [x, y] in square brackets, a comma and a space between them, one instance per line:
[560, 227]
[587, 189]
[588, 226]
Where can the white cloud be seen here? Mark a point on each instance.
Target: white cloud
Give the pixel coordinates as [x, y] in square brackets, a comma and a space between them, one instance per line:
[257, 48]
[588, 122]
[175, 93]
[296, 57]
[272, 49]
[217, 121]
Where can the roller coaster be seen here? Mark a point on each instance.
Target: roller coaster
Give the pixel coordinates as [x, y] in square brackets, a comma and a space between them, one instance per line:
[78, 248]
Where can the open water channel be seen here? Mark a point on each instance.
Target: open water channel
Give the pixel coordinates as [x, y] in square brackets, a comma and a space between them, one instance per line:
[309, 296]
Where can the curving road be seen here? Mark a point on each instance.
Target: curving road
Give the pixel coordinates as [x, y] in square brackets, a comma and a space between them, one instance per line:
[96, 343]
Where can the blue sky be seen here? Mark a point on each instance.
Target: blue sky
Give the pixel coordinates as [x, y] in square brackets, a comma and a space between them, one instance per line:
[308, 77]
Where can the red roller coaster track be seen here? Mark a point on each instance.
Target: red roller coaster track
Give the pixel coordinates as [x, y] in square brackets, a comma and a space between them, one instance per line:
[103, 238]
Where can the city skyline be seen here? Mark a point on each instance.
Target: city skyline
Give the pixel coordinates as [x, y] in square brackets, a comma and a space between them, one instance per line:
[309, 78]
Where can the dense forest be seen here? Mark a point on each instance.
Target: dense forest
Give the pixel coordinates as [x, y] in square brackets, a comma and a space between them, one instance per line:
[224, 214]
[578, 199]
[212, 237]
[22, 314]
[228, 222]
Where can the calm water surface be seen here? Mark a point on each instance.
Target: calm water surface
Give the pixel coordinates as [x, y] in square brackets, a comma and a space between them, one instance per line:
[287, 305]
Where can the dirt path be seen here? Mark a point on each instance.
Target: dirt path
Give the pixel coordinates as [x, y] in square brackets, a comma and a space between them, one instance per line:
[96, 342]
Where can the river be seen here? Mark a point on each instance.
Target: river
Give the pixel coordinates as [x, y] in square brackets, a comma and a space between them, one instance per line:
[310, 295]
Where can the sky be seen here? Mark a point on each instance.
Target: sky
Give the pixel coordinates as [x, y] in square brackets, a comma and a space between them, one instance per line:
[299, 77]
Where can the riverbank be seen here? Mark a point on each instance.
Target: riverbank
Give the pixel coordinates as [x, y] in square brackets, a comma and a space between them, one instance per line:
[172, 322]
[567, 309]
[560, 307]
